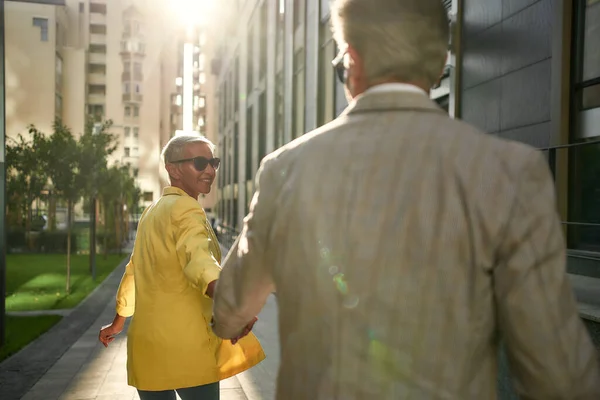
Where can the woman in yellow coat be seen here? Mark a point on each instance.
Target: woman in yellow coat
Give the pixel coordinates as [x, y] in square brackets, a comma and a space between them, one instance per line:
[168, 287]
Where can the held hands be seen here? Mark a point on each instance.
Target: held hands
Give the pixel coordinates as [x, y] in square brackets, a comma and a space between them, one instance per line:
[246, 331]
[109, 332]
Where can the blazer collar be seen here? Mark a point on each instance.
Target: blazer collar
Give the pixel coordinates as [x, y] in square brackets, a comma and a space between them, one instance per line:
[172, 190]
[370, 102]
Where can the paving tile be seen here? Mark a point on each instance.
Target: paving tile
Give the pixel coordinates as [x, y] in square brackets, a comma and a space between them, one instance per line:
[233, 394]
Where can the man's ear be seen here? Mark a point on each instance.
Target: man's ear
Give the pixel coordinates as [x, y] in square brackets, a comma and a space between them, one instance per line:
[173, 171]
[354, 59]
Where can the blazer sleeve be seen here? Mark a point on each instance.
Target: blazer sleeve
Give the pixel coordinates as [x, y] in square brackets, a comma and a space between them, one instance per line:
[246, 280]
[192, 243]
[126, 291]
[549, 350]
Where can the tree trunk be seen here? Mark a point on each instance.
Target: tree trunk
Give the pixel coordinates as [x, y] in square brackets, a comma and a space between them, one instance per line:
[28, 212]
[52, 213]
[123, 227]
[117, 224]
[69, 207]
[105, 238]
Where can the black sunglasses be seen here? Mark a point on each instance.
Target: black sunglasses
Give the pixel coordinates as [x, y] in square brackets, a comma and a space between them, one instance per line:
[200, 163]
[340, 70]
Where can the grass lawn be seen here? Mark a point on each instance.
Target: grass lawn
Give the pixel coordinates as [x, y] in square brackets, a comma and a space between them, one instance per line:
[37, 281]
[20, 331]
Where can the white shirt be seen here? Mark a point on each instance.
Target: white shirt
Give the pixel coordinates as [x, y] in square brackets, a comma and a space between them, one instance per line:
[395, 87]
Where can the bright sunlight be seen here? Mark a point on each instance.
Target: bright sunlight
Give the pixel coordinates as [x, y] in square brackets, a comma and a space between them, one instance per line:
[193, 12]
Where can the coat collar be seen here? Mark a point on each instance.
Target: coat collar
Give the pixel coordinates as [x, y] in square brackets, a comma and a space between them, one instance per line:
[172, 190]
[382, 101]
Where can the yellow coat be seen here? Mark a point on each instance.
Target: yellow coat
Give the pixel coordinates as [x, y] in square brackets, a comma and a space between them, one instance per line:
[170, 343]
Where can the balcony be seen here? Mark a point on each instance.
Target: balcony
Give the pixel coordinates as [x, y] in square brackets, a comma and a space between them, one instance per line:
[96, 38]
[96, 79]
[127, 76]
[97, 58]
[97, 19]
[132, 98]
[94, 98]
[133, 47]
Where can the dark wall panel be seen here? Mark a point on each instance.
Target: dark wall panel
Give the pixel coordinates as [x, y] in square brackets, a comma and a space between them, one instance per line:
[506, 68]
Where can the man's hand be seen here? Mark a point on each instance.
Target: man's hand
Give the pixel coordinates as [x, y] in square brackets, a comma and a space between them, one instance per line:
[108, 332]
[246, 331]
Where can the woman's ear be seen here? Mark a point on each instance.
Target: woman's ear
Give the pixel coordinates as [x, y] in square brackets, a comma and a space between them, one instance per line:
[173, 171]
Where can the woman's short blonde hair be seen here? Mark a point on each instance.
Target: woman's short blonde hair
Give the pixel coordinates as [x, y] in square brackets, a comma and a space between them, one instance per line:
[175, 148]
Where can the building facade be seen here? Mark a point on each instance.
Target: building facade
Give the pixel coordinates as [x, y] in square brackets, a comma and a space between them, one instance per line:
[524, 70]
[271, 67]
[121, 60]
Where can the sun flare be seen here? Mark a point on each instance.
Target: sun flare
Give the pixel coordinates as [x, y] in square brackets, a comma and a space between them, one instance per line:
[193, 12]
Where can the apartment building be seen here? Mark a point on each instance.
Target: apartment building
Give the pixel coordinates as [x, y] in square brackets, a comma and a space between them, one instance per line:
[527, 70]
[121, 60]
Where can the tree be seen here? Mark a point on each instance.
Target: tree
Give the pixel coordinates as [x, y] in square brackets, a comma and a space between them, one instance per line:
[118, 193]
[27, 176]
[96, 145]
[66, 177]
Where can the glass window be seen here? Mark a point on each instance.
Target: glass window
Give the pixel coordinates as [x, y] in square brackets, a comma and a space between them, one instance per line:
[136, 111]
[127, 131]
[250, 58]
[279, 110]
[136, 132]
[588, 68]
[583, 220]
[42, 23]
[137, 68]
[326, 87]
[249, 172]
[591, 40]
[299, 8]
[127, 152]
[299, 85]
[127, 111]
[262, 126]
[263, 26]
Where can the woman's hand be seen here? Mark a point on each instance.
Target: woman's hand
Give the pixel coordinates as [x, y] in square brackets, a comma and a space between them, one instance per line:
[109, 332]
[246, 331]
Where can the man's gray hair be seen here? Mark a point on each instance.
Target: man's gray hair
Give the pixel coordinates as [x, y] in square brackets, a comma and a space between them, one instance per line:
[174, 149]
[404, 40]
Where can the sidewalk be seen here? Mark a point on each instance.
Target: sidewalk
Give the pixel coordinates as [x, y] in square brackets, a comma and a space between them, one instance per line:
[89, 371]
[68, 362]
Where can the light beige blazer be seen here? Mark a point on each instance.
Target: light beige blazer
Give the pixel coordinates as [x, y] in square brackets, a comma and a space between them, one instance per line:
[404, 246]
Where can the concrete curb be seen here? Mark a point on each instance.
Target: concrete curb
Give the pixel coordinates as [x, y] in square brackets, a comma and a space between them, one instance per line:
[21, 371]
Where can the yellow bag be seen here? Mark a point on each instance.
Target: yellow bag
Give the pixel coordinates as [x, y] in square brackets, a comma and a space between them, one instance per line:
[235, 358]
